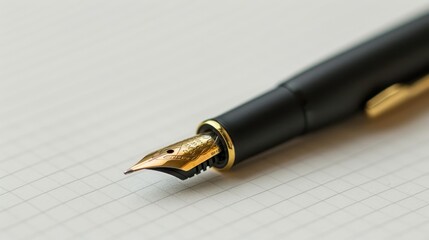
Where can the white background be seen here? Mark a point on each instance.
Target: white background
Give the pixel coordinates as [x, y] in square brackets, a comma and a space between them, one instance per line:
[88, 87]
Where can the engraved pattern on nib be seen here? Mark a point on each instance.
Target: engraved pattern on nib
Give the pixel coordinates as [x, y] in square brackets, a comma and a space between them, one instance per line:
[189, 149]
[183, 155]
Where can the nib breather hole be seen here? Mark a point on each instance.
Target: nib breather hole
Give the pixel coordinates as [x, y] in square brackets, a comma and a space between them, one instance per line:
[170, 151]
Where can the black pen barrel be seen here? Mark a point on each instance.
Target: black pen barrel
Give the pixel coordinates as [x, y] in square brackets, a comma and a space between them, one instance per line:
[330, 91]
[263, 122]
[341, 85]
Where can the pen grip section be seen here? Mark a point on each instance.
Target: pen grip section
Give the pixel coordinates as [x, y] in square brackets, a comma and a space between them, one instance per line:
[262, 123]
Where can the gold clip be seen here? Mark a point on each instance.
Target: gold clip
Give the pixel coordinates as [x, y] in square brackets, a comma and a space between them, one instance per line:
[394, 96]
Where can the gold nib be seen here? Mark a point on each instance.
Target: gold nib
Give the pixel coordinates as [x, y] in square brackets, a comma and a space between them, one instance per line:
[184, 155]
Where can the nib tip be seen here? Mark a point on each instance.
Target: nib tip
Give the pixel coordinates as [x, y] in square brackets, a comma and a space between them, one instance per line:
[128, 171]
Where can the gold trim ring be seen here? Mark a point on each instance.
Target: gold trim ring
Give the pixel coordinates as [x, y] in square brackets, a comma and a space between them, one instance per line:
[226, 139]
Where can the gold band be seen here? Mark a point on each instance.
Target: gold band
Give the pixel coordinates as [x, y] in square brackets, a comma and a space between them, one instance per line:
[227, 140]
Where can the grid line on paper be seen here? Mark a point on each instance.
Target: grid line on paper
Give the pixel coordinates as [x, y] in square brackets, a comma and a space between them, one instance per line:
[78, 103]
[301, 209]
[397, 217]
[358, 218]
[356, 186]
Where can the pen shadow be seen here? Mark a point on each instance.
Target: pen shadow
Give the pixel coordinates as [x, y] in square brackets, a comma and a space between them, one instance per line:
[328, 140]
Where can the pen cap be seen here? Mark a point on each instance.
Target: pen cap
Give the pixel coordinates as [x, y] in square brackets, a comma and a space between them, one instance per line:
[341, 85]
[263, 122]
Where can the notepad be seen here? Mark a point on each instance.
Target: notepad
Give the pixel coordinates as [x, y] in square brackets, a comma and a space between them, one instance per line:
[88, 88]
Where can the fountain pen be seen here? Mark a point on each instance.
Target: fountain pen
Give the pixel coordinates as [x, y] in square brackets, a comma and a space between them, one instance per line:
[372, 77]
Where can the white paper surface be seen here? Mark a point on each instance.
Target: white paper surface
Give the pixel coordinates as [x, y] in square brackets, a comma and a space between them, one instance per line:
[88, 87]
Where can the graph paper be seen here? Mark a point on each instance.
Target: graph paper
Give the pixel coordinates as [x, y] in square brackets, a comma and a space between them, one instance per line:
[88, 87]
